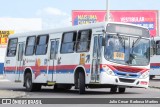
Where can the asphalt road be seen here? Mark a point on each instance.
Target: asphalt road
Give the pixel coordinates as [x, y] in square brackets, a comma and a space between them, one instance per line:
[48, 92]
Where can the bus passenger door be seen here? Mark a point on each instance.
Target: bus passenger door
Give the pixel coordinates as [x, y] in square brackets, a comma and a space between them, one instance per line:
[19, 67]
[96, 56]
[54, 44]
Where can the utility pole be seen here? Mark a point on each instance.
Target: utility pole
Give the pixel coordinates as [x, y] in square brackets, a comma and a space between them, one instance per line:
[107, 10]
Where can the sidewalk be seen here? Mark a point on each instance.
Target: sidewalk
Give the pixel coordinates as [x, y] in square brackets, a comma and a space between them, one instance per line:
[2, 78]
[11, 94]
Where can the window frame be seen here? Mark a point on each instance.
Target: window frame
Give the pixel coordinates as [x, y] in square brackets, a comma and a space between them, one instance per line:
[34, 46]
[8, 47]
[74, 42]
[37, 40]
[88, 41]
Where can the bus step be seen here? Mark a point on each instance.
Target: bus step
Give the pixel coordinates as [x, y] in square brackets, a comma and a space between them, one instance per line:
[51, 83]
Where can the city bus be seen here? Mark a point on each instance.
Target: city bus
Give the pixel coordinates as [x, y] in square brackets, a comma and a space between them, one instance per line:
[100, 55]
[155, 57]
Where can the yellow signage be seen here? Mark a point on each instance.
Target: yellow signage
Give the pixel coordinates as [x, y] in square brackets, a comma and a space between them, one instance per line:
[82, 59]
[4, 36]
[119, 55]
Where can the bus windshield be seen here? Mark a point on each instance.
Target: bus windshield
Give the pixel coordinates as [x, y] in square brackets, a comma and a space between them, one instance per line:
[127, 50]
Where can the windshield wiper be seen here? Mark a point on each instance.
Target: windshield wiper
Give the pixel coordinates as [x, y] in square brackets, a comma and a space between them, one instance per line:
[121, 41]
[135, 43]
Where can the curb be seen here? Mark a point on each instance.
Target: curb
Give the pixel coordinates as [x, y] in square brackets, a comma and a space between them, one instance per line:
[1, 77]
[154, 87]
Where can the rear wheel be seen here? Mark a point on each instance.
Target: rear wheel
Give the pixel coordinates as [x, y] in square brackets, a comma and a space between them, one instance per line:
[113, 89]
[121, 90]
[81, 83]
[29, 85]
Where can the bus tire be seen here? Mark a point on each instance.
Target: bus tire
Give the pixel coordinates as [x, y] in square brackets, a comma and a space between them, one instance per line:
[29, 85]
[113, 89]
[81, 83]
[28, 82]
[121, 90]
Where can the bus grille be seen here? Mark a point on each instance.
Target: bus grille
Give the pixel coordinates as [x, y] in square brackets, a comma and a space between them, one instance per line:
[130, 75]
[126, 80]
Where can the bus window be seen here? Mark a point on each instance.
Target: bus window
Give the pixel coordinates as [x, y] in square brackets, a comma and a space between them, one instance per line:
[68, 42]
[157, 47]
[83, 42]
[30, 45]
[12, 47]
[42, 42]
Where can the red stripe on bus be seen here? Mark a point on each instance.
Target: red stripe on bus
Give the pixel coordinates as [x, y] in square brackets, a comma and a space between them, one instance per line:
[154, 64]
[59, 67]
[125, 68]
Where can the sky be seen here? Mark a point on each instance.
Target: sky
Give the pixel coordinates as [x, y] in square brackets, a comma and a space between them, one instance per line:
[57, 13]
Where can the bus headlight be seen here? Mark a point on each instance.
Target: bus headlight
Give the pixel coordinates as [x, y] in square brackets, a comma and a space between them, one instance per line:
[108, 70]
[144, 75]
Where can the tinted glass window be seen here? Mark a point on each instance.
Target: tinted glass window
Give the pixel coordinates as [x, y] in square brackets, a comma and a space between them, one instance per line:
[30, 45]
[12, 47]
[42, 44]
[68, 43]
[83, 43]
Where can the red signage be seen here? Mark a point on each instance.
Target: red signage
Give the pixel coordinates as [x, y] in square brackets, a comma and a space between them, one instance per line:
[146, 18]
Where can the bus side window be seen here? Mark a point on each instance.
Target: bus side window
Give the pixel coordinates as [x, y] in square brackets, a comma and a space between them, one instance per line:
[12, 47]
[157, 47]
[30, 45]
[68, 42]
[83, 42]
[42, 44]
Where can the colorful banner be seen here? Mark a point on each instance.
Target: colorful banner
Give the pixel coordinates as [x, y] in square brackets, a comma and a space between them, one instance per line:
[146, 18]
[4, 36]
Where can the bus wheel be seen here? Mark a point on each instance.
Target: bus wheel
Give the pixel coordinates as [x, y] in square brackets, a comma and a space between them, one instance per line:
[28, 82]
[121, 90]
[81, 83]
[113, 89]
[29, 85]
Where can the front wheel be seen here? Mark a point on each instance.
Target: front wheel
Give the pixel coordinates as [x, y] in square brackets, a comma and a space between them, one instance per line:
[81, 83]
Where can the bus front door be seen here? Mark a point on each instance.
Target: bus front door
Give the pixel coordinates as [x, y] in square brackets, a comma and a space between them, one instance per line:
[19, 60]
[95, 72]
[54, 44]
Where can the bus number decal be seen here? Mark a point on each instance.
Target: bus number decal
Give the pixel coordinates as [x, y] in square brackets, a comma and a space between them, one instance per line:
[119, 55]
[82, 59]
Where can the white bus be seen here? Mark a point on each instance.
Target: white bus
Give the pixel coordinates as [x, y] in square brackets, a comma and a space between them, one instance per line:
[101, 55]
[155, 58]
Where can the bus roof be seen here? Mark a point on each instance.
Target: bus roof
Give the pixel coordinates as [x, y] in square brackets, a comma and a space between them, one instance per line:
[67, 29]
